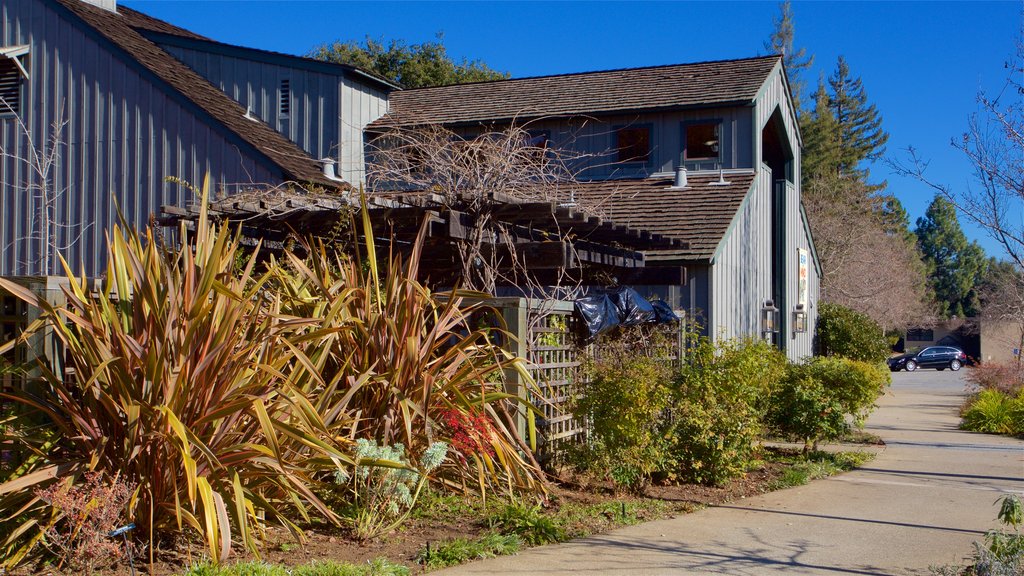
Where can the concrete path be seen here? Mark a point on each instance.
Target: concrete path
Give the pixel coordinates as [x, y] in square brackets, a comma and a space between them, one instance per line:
[921, 502]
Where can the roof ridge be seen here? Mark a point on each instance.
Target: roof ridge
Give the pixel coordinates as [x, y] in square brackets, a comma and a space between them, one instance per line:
[605, 71]
[309, 59]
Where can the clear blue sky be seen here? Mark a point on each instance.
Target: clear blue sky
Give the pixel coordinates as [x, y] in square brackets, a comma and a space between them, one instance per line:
[922, 63]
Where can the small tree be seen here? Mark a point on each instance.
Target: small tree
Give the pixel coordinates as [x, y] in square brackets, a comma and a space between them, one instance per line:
[955, 266]
[41, 158]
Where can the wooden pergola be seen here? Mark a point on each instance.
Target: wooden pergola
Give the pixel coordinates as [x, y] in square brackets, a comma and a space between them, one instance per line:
[550, 238]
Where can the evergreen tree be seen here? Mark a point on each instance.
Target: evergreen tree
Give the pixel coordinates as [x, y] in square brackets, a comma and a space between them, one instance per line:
[411, 66]
[796, 60]
[861, 136]
[821, 137]
[956, 267]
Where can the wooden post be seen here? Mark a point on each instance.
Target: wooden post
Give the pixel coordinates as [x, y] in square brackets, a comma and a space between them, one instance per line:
[515, 312]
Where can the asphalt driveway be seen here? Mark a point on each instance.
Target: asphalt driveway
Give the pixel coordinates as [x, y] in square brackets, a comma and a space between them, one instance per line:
[921, 502]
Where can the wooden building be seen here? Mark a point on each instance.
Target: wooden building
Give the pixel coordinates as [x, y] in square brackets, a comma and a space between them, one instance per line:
[143, 105]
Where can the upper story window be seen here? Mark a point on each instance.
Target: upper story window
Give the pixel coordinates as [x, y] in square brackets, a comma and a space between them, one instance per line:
[284, 98]
[702, 141]
[13, 73]
[633, 144]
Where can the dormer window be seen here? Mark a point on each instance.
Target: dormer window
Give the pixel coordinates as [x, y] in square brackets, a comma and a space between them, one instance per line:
[702, 141]
[13, 73]
[633, 144]
[284, 99]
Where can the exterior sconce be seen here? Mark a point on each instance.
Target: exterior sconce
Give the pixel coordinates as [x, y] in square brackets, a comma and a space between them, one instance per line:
[799, 320]
[769, 318]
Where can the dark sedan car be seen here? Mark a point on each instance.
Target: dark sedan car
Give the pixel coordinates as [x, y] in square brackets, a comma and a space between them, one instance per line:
[940, 357]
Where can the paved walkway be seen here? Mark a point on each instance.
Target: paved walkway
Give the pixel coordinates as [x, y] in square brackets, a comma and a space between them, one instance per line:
[922, 501]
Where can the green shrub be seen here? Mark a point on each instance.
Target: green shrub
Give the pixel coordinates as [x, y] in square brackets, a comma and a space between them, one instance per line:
[461, 550]
[850, 334]
[816, 398]
[994, 412]
[623, 403]
[720, 401]
[527, 522]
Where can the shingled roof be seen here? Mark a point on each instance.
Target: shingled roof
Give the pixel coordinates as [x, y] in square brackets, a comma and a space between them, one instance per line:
[118, 29]
[633, 89]
[699, 214]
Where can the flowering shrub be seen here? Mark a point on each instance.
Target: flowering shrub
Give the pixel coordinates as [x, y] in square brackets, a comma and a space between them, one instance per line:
[384, 485]
[470, 433]
[89, 511]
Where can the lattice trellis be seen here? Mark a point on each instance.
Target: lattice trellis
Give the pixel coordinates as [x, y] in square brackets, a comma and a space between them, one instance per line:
[554, 365]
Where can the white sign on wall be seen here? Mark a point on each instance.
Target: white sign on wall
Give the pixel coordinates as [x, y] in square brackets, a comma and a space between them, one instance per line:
[801, 277]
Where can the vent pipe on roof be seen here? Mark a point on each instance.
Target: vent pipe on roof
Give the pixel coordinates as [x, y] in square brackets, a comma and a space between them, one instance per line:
[329, 169]
[721, 178]
[680, 181]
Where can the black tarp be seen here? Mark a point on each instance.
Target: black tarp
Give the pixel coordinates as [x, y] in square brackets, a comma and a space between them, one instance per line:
[621, 307]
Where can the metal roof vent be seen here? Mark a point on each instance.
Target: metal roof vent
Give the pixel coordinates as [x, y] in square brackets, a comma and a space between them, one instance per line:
[329, 172]
[680, 180]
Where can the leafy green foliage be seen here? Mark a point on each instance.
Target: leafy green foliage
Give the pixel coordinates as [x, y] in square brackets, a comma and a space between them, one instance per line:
[995, 412]
[459, 550]
[384, 485]
[850, 334]
[815, 465]
[405, 358]
[956, 267]
[527, 522]
[720, 401]
[178, 390]
[803, 408]
[623, 401]
[412, 66]
[229, 399]
[816, 398]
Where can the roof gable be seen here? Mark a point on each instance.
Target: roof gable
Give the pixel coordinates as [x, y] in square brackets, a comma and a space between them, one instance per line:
[700, 84]
[117, 29]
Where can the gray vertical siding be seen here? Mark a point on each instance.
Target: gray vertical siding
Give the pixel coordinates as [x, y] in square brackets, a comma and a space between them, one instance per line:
[741, 278]
[800, 346]
[360, 105]
[124, 135]
[775, 94]
[592, 141]
[328, 112]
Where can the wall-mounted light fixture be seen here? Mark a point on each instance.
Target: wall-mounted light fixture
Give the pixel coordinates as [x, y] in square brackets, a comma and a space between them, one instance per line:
[769, 318]
[799, 319]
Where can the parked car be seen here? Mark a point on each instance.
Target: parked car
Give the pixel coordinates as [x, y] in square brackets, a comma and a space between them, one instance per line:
[940, 357]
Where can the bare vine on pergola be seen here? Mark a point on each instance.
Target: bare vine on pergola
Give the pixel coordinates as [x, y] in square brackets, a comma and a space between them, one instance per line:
[464, 174]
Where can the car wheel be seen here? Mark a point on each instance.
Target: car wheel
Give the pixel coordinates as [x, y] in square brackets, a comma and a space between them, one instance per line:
[954, 365]
[910, 366]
